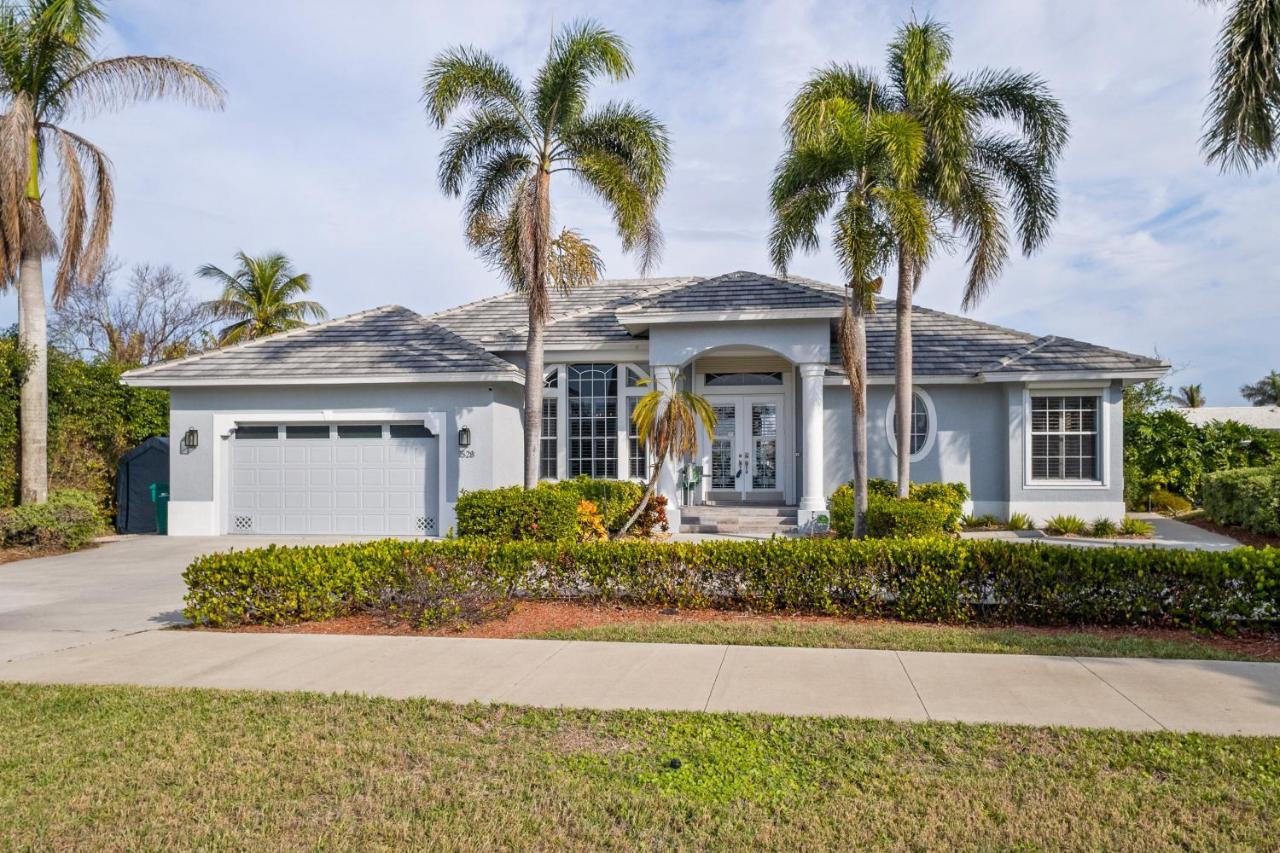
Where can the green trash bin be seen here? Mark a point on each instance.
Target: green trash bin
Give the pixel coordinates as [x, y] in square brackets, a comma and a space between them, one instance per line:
[160, 497]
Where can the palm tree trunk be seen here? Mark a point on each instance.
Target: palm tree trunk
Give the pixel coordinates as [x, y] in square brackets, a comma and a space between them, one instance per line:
[33, 337]
[533, 398]
[853, 354]
[903, 372]
[644, 501]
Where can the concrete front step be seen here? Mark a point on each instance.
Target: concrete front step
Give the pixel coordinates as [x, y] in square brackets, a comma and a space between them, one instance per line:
[746, 520]
[735, 512]
[742, 530]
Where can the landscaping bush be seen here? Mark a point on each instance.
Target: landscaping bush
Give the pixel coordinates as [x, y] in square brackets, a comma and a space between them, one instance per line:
[893, 520]
[1020, 521]
[653, 519]
[1136, 527]
[615, 499]
[936, 579]
[1245, 497]
[986, 521]
[1104, 528]
[455, 594]
[546, 513]
[1066, 525]
[904, 518]
[69, 519]
[590, 522]
[1161, 500]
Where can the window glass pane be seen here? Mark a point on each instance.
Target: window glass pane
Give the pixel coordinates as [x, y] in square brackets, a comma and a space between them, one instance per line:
[919, 424]
[635, 379]
[1064, 438]
[257, 432]
[409, 431]
[637, 467]
[547, 463]
[593, 420]
[723, 379]
[309, 431]
[359, 430]
[553, 378]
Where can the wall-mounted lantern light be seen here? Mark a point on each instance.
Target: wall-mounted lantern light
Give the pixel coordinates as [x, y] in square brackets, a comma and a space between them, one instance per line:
[191, 439]
[464, 437]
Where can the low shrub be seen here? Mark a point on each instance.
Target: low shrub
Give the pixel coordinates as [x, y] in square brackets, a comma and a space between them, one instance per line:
[590, 523]
[1066, 525]
[904, 518]
[1162, 500]
[1245, 497]
[946, 498]
[546, 513]
[1137, 528]
[651, 520]
[71, 518]
[615, 499]
[986, 521]
[934, 579]
[1104, 528]
[1020, 521]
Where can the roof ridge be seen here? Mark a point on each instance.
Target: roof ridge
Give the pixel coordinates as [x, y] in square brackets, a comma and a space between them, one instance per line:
[1035, 346]
[667, 284]
[275, 336]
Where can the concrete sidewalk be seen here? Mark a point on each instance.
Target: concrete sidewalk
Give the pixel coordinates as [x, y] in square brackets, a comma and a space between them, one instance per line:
[1216, 697]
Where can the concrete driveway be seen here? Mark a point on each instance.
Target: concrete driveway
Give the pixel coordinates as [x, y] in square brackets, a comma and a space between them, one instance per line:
[120, 587]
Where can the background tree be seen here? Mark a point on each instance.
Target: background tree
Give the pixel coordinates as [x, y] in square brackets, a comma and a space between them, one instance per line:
[261, 298]
[1189, 396]
[511, 141]
[1240, 125]
[48, 73]
[846, 156]
[154, 318]
[667, 420]
[1264, 392]
[992, 140]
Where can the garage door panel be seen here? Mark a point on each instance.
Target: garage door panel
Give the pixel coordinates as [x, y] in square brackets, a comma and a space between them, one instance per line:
[341, 485]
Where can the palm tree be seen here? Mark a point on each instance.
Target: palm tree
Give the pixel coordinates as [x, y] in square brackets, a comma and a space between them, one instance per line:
[261, 298]
[976, 172]
[1189, 396]
[1264, 392]
[506, 148]
[845, 155]
[48, 72]
[1244, 104]
[667, 421]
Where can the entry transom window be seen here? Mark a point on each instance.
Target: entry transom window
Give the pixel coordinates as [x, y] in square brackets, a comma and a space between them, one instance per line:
[593, 420]
[720, 380]
[1064, 438]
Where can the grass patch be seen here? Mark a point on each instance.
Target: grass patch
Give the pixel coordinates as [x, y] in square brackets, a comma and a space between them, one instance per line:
[838, 634]
[137, 767]
[116, 767]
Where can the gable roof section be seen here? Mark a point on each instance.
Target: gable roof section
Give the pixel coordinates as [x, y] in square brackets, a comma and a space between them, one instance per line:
[741, 293]
[387, 344]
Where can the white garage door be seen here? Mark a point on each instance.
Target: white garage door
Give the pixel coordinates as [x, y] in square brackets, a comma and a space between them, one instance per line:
[345, 478]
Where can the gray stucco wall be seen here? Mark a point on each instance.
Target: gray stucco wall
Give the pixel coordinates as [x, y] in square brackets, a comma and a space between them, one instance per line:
[970, 447]
[491, 411]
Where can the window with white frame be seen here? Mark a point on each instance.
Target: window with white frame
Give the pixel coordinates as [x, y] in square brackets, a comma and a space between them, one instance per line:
[593, 420]
[1065, 432]
[922, 421]
[548, 456]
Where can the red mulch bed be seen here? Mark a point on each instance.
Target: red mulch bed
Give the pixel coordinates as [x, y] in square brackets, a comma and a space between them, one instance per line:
[1244, 537]
[532, 618]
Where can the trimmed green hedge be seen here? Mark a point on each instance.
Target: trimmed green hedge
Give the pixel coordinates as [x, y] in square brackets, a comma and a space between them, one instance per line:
[931, 510]
[546, 513]
[935, 579]
[615, 499]
[1245, 497]
[69, 519]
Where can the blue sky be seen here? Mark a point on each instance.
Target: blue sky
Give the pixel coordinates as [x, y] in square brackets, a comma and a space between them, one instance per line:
[324, 153]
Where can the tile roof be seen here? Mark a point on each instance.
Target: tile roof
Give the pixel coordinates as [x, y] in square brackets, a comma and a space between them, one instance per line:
[737, 291]
[1262, 417]
[387, 342]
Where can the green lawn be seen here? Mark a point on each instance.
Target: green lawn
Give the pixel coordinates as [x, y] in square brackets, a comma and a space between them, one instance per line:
[904, 637]
[145, 768]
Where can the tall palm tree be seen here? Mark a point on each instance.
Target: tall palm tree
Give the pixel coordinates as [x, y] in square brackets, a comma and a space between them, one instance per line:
[1242, 119]
[1189, 396]
[846, 156]
[512, 140]
[1264, 392]
[48, 73]
[976, 172]
[260, 298]
[667, 420]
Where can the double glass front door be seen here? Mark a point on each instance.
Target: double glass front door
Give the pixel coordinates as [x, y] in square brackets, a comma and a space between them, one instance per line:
[744, 445]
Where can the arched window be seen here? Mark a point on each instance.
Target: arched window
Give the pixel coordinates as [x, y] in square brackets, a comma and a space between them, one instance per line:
[923, 425]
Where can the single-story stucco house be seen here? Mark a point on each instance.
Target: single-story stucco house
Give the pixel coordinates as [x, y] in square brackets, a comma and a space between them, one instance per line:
[374, 423]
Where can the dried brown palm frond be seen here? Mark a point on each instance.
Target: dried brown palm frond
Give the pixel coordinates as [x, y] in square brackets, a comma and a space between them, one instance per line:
[111, 84]
[84, 244]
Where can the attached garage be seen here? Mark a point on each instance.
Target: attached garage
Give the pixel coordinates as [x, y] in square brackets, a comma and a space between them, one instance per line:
[348, 478]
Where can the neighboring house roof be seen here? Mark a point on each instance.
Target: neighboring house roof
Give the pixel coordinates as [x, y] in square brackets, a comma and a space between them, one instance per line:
[1262, 417]
[390, 343]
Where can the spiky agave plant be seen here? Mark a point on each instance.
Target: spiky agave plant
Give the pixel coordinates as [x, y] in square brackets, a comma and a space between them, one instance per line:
[504, 151]
[976, 173]
[48, 74]
[859, 165]
[260, 298]
[667, 420]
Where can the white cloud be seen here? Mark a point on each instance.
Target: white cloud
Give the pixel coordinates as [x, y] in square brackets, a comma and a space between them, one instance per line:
[324, 153]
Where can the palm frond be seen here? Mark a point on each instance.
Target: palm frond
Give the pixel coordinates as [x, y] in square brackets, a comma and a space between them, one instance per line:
[1028, 182]
[494, 182]
[918, 58]
[1026, 100]
[84, 247]
[832, 92]
[632, 135]
[582, 51]
[630, 204]
[481, 135]
[111, 84]
[1244, 104]
[17, 129]
[465, 75]
[983, 230]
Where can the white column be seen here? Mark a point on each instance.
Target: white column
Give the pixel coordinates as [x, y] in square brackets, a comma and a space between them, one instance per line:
[813, 501]
[664, 378]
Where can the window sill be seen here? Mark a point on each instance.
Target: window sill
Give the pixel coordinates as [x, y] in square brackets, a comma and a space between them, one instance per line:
[1084, 485]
